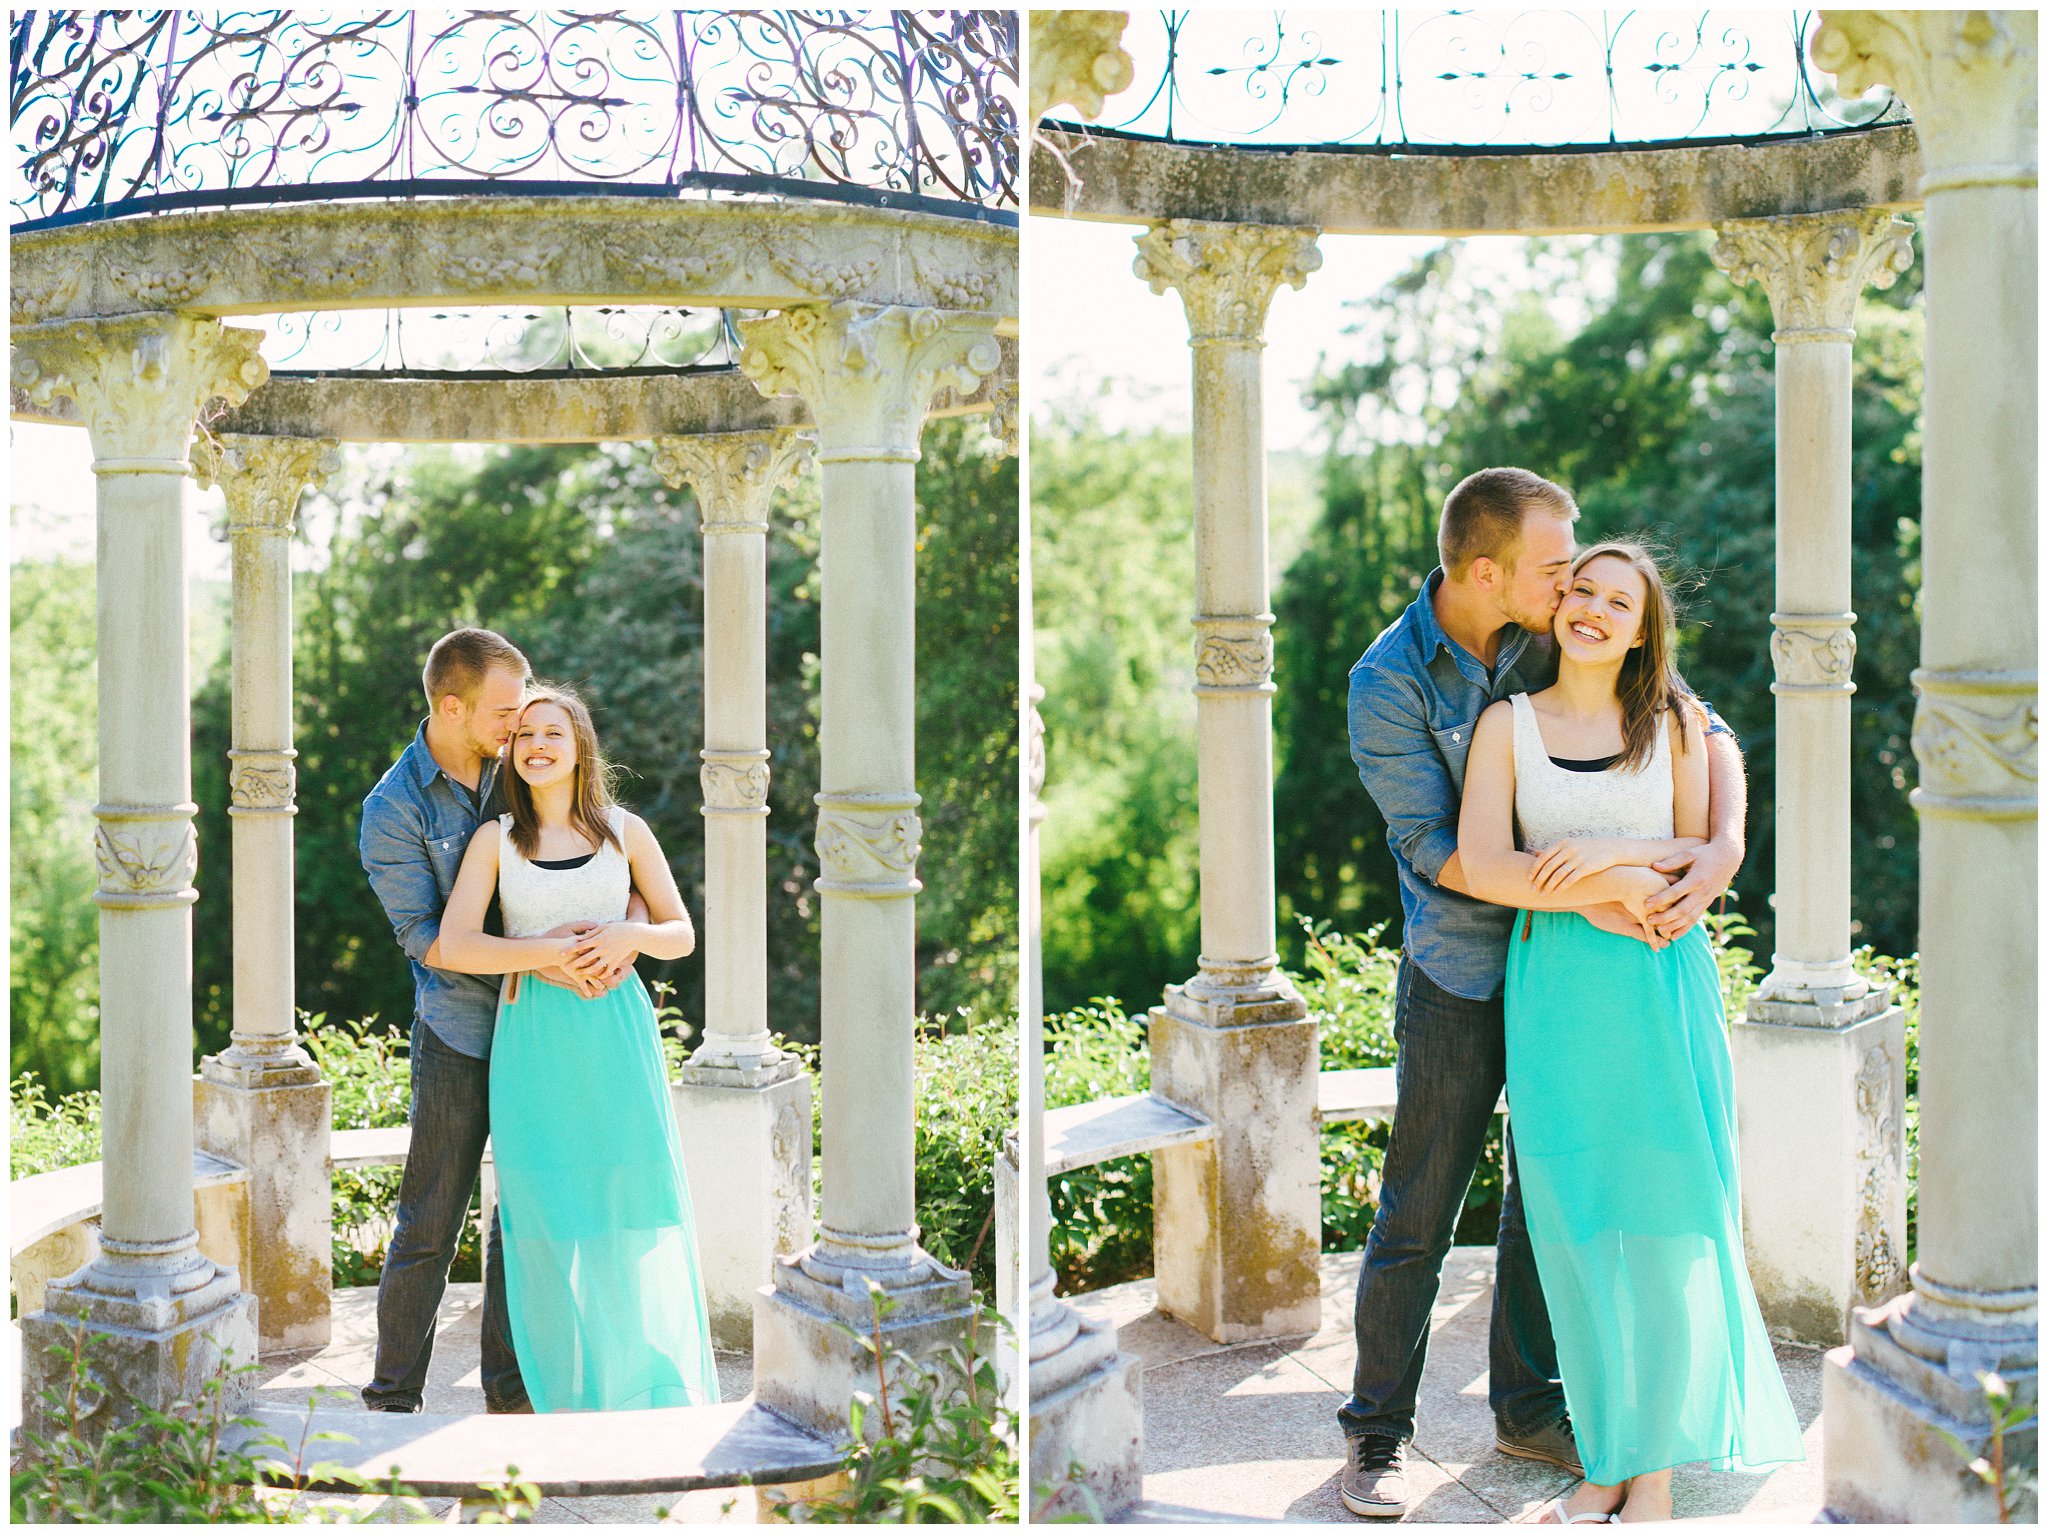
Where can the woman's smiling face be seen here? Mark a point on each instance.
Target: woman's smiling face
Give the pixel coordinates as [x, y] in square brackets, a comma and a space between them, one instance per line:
[544, 745]
[1601, 616]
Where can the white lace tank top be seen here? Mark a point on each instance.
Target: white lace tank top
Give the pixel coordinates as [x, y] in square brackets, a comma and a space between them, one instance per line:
[1553, 802]
[536, 900]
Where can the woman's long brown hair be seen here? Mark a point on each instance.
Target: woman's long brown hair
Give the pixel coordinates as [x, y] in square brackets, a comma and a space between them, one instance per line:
[1649, 683]
[593, 786]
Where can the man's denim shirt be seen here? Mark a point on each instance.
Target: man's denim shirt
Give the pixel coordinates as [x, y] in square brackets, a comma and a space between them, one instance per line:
[1415, 697]
[416, 825]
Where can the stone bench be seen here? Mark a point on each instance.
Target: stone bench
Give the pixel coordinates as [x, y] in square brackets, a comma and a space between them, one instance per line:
[565, 1454]
[1088, 1133]
[1361, 1096]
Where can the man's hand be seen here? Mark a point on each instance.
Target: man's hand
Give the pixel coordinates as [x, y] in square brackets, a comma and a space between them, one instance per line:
[1706, 871]
[1614, 917]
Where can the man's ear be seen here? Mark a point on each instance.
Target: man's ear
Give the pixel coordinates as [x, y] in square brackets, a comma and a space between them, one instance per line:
[1483, 572]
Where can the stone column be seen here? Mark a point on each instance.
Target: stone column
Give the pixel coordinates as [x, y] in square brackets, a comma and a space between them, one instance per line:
[1910, 1372]
[164, 1315]
[260, 1103]
[1820, 1058]
[1237, 1221]
[868, 374]
[743, 1106]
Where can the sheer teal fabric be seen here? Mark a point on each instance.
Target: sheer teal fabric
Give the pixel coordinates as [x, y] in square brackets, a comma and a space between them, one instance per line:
[1623, 1111]
[601, 1273]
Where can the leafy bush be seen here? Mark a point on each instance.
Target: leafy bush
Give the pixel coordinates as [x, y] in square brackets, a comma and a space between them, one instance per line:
[1101, 1214]
[966, 1093]
[45, 1135]
[947, 1447]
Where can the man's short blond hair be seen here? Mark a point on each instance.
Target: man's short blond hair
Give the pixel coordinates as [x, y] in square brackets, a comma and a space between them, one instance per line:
[1483, 515]
[458, 662]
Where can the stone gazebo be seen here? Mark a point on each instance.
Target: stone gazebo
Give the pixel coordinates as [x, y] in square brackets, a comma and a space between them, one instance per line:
[843, 192]
[1809, 211]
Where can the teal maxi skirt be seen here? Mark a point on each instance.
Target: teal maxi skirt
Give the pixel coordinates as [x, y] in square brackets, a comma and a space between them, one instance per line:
[1623, 1113]
[601, 1276]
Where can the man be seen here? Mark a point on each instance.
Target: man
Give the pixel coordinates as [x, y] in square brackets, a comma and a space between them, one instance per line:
[416, 824]
[1479, 632]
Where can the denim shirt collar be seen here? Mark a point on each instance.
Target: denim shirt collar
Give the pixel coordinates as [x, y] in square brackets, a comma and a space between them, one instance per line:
[1431, 636]
[420, 764]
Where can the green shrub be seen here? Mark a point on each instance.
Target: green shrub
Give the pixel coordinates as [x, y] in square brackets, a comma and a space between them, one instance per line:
[1101, 1214]
[946, 1450]
[966, 1094]
[45, 1135]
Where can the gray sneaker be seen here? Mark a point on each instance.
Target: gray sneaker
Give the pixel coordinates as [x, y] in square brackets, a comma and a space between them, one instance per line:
[1375, 1479]
[1553, 1445]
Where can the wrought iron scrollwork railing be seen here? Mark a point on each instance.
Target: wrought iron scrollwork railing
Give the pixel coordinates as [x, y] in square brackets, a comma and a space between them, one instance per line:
[127, 111]
[1446, 82]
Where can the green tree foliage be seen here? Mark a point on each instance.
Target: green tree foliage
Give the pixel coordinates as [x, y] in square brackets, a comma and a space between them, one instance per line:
[1113, 571]
[584, 558]
[53, 927]
[1657, 411]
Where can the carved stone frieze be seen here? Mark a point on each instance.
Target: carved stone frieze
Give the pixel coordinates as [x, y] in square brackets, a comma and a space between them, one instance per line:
[1970, 78]
[836, 268]
[1813, 652]
[951, 281]
[345, 267]
[1076, 60]
[734, 782]
[1976, 736]
[868, 845]
[734, 474]
[687, 267]
[147, 855]
[522, 269]
[867, 371]
[155, 287]
[1814, 265]
[1234, 654]
[1878, 1265]
[1003, 423]
[261, 477]
[1226, 274]
[262, 782]
[139, 380]
[36, 294]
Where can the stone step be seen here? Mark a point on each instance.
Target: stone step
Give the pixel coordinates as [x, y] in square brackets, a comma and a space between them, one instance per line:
[565, 1454]
[1117, 1126]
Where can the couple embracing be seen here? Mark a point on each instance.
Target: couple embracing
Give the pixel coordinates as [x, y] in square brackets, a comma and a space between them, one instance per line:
[1562, 810]
[541, 1037]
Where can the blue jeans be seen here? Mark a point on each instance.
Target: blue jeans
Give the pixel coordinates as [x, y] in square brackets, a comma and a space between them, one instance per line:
[451, 1118]
[1448, 1075]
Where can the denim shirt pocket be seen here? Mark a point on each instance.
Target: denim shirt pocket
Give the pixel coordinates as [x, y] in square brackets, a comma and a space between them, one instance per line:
[446, 843]
[1454, 744]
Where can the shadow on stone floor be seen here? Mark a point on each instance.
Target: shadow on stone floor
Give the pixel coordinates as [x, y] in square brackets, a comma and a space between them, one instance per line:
[1248, 1433]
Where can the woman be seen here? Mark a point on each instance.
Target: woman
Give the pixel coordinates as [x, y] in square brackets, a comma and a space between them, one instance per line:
[1618, 1074]
[600, 1249]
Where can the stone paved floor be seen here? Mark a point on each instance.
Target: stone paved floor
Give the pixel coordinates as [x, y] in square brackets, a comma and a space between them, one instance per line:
[455, 1384]
[1248, 1433]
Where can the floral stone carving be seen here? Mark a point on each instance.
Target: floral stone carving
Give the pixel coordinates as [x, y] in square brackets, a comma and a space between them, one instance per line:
[1226, 274]
[139, 380]
[146, 857]
[1814, 265]
[1813, 653]
[734, 473]
[1976, 735]
[261, 477]
[868, 850]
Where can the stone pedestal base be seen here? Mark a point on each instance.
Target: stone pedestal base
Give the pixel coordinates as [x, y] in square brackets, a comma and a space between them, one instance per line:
[277, 1122]
[808, 1357]
[747, 1153]
[1237, 1221]
[150, 1350]
[1820, 1090]
[1087, 1429]
[1886, 1459]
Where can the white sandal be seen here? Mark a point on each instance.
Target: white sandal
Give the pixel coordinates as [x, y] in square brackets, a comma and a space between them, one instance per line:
[1555, 1508]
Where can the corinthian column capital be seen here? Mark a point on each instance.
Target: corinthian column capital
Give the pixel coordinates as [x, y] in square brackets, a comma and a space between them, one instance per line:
[1076, 60]
[139, 380]
[1815, 265]
[868, 371]
[733, 473]
[1971, 79]
[261, 477]
[1226, 274]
